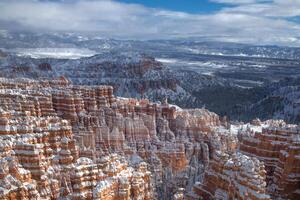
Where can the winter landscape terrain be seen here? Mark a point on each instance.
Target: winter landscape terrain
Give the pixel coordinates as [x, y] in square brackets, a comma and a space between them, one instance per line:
[93, 118]
[239, 81]
[149, 100]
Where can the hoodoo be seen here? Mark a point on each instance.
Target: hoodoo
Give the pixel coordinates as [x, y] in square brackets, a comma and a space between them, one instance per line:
[63, 141]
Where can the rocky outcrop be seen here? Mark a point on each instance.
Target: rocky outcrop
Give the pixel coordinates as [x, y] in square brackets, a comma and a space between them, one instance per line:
[42, 158]
[67, 124]
[277, 145]
[62, 141]
[233, 176]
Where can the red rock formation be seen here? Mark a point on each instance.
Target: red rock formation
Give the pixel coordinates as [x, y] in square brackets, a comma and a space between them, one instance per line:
[73, 142]
[232, 177]
[277, 145]
[146, 64]
[39, 153]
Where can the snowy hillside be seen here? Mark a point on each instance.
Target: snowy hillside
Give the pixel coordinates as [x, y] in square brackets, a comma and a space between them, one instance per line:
[229, 79]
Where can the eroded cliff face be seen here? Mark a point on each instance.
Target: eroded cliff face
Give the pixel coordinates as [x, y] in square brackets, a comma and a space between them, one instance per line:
[233, 176]
[61, 141]
[277, 144]
[48, 145]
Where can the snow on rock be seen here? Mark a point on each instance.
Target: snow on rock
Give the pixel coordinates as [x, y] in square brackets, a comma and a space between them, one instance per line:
[278, 146]
[232, 176]
[65, 141]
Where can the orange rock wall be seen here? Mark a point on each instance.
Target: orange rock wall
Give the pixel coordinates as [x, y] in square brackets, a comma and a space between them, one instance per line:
[278, 146]
[59, 140]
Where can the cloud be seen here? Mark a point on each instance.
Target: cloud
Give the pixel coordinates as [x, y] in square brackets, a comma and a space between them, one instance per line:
[248, 21]
[276, 8]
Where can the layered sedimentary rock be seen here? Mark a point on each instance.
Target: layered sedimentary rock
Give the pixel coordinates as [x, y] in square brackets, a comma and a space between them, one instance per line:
[60, 140]
[42, 158]
[278, 145]
[232, 177]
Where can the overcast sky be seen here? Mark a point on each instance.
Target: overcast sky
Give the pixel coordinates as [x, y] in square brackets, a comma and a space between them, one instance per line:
[246, 21]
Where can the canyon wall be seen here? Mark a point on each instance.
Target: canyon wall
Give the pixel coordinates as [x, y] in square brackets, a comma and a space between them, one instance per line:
[278, 146]
[62, 141]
